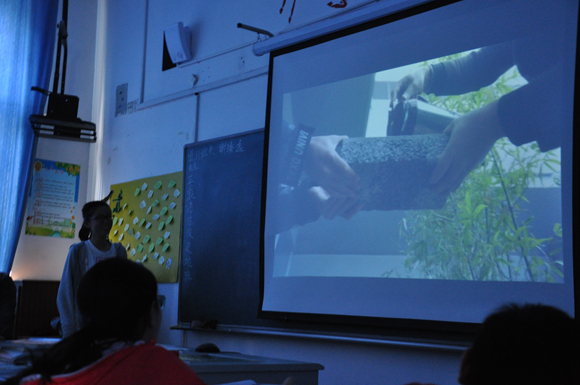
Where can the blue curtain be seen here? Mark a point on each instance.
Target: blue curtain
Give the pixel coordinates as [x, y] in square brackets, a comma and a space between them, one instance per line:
[27, 42]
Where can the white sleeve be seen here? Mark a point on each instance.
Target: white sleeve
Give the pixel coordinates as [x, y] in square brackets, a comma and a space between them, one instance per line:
[66, 298]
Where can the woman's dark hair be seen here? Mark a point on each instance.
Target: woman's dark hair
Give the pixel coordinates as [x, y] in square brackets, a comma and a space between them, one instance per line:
[88, 211]
[115, 297]
[529, 344]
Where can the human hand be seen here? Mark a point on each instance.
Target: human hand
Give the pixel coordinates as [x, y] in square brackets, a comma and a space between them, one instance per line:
[331, 206]
[471, 137]
[411, 85]
[328, 169]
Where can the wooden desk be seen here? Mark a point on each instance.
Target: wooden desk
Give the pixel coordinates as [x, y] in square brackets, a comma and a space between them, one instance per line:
[220, 368]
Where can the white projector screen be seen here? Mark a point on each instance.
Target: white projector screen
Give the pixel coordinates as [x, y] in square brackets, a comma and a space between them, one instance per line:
[382, 237]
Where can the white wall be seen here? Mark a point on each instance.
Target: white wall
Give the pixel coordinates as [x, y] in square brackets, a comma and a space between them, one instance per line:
[150, 142]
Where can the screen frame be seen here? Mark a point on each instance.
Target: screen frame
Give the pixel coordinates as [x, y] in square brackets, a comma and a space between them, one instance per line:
[454, 332]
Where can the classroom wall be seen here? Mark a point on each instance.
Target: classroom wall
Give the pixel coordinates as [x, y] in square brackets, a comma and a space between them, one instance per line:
[116, 42]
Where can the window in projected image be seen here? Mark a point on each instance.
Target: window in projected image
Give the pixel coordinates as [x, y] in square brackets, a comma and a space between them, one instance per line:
[503, 223]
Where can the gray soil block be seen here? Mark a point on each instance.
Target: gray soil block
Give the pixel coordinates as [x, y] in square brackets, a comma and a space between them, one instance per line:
[394, 171]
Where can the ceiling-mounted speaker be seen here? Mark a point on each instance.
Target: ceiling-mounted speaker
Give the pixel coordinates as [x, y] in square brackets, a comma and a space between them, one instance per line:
[177, 39]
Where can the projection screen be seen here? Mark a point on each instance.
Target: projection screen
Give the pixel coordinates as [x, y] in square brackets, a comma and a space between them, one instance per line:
[420, 166]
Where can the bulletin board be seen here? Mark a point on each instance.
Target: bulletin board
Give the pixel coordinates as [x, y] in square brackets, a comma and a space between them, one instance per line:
[147, 221]
[53, 199]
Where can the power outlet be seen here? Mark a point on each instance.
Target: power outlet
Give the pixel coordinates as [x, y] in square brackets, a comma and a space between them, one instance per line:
[121, 106]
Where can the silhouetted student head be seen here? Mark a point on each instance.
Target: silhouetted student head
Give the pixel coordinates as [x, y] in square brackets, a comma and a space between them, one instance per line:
[530, 344]
[96, 219]
[118, 299]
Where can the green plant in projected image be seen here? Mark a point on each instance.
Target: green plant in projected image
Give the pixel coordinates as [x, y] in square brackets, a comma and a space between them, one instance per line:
[484, 232]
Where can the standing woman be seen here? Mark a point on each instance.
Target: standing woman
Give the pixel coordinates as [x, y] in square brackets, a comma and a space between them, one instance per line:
[95, 247]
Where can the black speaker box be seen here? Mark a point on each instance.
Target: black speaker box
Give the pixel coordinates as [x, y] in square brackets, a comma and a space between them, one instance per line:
[63, 107]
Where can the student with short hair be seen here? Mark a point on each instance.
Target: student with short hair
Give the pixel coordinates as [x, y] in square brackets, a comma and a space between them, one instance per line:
[530, 344]
[118, 299]
[94, 247]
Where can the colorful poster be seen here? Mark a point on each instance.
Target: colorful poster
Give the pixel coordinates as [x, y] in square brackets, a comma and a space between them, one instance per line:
[53, 199]
[147, 221]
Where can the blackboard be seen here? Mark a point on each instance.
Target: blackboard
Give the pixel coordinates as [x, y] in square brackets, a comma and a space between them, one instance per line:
[220, 238]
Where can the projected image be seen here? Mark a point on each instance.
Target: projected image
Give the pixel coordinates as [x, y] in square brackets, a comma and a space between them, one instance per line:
[444, 169]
